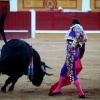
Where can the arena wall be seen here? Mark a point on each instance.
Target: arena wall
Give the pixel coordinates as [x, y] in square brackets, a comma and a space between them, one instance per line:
[18, 25]
[4, 3]
[62, 20]
[43, 5]
[48, 23]
[25, 24]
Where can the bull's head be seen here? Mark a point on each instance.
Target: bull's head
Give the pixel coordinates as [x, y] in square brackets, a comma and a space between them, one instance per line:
[39, 69]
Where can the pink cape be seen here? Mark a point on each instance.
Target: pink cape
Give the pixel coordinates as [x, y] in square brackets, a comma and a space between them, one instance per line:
[67, 81]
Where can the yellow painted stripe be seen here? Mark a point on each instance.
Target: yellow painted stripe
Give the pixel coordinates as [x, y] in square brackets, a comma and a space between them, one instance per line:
[4, 0]
[63, 35]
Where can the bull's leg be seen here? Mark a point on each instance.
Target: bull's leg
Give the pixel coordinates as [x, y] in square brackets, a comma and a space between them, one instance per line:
[8, 81]
[15, 79]
[0, 70]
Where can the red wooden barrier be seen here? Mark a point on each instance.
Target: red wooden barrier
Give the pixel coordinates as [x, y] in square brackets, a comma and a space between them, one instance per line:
[18, 21]
[62, 20]
[48, 21]
[4, 3]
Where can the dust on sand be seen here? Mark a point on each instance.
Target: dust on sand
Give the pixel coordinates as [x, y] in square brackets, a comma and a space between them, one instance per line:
[52, 51]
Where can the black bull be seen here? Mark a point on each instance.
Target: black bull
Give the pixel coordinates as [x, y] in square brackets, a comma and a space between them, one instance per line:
[15, 59]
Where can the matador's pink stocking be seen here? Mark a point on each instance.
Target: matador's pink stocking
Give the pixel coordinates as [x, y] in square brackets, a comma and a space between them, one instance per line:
[78, 86]
[61, 81]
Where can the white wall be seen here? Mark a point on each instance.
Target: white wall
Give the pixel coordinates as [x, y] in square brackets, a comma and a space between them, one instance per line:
[13, 5]
[86, 5]
[33, 23]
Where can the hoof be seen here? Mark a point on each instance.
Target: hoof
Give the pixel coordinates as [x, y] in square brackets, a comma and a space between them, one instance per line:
[54, 93]
[10, 89]
[3, 90]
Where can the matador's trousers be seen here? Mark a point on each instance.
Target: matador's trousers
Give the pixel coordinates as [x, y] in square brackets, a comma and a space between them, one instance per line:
[69, 65]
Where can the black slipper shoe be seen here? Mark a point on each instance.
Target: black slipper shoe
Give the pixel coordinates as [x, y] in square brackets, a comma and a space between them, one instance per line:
[54, 93]
[82, 96]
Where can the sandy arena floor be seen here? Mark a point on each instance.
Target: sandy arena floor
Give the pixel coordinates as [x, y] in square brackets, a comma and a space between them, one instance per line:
[52, 52]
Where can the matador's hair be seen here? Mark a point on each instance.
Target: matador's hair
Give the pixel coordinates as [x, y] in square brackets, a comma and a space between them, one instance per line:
[75, 21]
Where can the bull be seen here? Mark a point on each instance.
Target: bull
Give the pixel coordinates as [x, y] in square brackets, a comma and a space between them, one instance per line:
[18, 58]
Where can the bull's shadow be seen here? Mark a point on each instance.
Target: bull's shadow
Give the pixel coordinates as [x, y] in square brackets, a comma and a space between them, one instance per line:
[19, 58]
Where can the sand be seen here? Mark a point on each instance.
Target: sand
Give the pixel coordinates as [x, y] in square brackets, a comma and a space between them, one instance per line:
[52, 52]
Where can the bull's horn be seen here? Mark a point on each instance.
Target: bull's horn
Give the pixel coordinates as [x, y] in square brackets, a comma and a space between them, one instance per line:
[48, 67]
[42, 67]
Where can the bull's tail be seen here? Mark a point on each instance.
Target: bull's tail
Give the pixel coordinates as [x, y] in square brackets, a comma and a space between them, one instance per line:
[2, 20]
